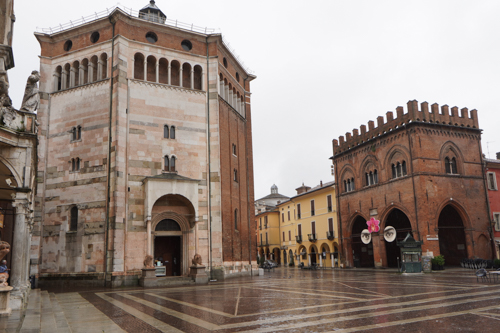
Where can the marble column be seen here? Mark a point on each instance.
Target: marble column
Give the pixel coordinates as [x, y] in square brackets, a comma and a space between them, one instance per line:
[18, 274]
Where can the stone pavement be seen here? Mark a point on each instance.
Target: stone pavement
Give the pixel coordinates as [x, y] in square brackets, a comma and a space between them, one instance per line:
[288, 300]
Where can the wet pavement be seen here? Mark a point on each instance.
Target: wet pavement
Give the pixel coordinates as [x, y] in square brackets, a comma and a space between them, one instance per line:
[291, 300]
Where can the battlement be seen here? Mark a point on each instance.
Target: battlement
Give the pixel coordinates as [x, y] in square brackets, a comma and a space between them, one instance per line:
[413, 114]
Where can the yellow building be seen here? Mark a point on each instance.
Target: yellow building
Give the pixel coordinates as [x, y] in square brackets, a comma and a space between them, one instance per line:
[268, 240]
[308, 227]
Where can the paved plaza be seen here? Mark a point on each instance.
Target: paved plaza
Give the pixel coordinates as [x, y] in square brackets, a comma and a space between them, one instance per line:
[284, 300]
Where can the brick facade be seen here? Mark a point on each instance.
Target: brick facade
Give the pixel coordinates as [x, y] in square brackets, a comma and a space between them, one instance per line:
[125, 92]
[420, 172]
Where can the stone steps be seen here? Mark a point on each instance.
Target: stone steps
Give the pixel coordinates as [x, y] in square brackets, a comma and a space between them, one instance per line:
[44, 314]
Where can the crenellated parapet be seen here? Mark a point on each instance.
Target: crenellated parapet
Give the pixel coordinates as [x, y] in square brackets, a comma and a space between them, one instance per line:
[434, 115]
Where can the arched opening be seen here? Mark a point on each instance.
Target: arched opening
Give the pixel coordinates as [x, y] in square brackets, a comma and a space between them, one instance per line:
[451, 234]
[290, 255]
[85, 71]
[75, 81]
[186, 75]
[175, 68]
[302, 255]
[277, 255]
[66, 76]
[313, 255]
[167, 247]
[335, 256]
[104, 66]
[285, 261]
[138, 66]
[93, 70]
[325, 255]
[163, 71]
[401, 223]
[362, 254]
[57, 78]
[198, 75]
[151, 69]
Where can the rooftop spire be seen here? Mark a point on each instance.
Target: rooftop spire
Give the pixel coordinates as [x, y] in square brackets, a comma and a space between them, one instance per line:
[152, 13]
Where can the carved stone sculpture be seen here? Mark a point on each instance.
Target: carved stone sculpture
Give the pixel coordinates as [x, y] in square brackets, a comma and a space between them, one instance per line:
[197, 260]
[31, 98]
[4, 249]
[148, 261]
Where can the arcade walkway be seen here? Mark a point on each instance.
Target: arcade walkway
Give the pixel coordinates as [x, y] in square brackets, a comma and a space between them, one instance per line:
[287, 300]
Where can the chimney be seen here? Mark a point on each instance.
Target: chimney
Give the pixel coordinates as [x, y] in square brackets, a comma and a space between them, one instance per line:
[321, 183]
[302, 189]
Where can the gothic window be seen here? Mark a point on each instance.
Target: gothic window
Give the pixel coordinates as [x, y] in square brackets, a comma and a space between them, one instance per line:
[165, 132]
[349, 185]
[234, 149]
[73, 134]
[451, 165]
[399, 169]
[78, 132]
[73, 219]
[235, 175]
[172, 132]
[75, 164]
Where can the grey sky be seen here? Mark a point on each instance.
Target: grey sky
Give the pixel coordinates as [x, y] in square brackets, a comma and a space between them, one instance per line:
[323, 67]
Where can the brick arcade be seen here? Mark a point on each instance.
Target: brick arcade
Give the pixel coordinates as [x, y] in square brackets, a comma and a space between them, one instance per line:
[420, 172]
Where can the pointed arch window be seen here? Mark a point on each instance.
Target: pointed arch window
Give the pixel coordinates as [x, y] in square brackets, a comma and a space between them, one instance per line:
[172, 132]
[73, 134]
[172, 164]
[166, 161]
[165, 132]
[451, 165]
[399, 169]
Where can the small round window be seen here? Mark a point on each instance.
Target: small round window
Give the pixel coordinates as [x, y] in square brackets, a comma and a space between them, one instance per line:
[151, 37]
[68, 45]
[224, 61]
[94, 37]
[186, 45]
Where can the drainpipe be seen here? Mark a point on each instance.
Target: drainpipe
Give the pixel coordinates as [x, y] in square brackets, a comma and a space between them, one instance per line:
[250, 236]
[490, 222]
[413, 181]
[339, 217]
[209, 169]
[108, 190]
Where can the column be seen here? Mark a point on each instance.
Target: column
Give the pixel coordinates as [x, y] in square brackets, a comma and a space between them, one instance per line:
[157, 70]
[148, 231]
[19, 242]
[145, 65]
[99, 70]
[331, 258]
[180, 76]
[192, 79]
[80, 75]
[221, 89]
[56, 76]
[72, 77]
[203, 84]
[64, 79]
[169, 74]
[321, 260]
[309, 258]
[91, 73]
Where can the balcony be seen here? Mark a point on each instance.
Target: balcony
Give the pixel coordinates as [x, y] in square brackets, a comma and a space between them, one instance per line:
[330, 235]
[312, 237]
[298, 239]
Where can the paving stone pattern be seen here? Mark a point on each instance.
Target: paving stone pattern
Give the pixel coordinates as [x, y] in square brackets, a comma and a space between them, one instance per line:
[287, 300]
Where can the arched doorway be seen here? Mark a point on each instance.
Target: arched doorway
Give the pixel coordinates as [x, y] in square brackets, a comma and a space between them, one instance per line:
[335, 256]
[276, 255]
[285, 262]
[401, 223]
[168, 245]
[313, 254]
[326, 259]
[362, 254]
[290, 255]
[451, 234]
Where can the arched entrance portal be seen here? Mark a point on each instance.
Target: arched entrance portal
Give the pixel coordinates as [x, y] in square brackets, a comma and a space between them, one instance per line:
[401, 223]
[276, 255]
[451, 234]
[285, 262]
[168, 245]
[362, 254]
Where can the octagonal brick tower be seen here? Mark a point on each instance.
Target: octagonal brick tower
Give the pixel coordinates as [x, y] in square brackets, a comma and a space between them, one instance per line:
[145, 148]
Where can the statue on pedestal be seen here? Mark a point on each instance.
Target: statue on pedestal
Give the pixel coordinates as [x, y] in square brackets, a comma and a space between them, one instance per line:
[31, 99]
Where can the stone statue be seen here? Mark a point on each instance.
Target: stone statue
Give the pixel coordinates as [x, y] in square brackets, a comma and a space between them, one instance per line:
[197, 260]
[148, 261]
[31, 98]
[4, 249]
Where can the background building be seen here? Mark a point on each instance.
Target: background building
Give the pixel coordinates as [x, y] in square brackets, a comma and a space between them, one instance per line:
[303, 227]
[492, 180]
[145, 148]
[420, 172]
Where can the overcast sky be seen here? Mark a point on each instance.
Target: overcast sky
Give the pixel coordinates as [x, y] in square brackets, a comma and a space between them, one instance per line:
[323, 67]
